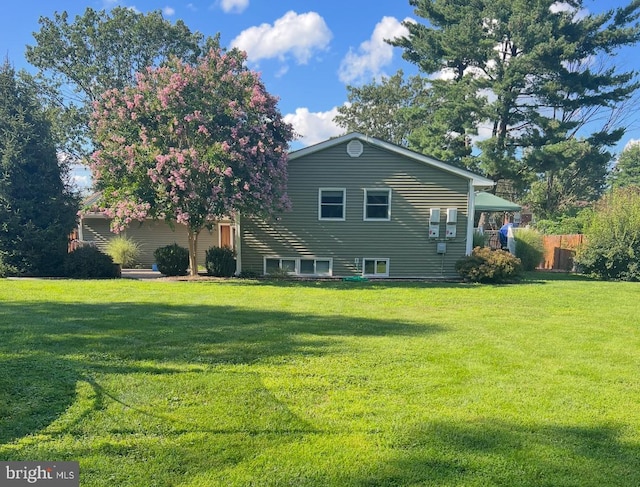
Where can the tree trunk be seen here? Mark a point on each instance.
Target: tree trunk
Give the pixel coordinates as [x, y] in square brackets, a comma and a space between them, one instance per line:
[193, 251]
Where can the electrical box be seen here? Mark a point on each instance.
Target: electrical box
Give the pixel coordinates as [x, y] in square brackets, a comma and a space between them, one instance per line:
[452, 219]
[434, 223]
[441, 247]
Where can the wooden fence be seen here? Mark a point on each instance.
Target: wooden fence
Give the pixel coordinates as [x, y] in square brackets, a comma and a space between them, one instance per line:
[559, 251]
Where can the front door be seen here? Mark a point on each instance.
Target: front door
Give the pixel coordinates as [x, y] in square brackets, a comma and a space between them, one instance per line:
[226, 235]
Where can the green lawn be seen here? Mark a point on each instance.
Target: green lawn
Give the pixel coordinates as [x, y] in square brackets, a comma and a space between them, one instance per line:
[324, 383]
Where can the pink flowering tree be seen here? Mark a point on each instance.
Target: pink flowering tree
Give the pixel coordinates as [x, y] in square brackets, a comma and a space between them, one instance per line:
[191, 144]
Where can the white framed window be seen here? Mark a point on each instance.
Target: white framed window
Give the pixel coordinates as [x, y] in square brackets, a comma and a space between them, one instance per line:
[375, 267]
[301, 266]
[315, 267]
[377, 204]
[331, 204]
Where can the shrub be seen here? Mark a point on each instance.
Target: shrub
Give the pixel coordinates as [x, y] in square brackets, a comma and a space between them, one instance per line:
[479, 239]
[220, 262]
[249, 275]
[123, 250]
[612, 237]
[529, 248]
[172, 260]
[6, 269]
[489, 266]
[565, 224]
[89, 262]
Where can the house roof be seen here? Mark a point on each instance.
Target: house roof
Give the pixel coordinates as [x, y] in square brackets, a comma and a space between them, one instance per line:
[491, 202]
[477, 180]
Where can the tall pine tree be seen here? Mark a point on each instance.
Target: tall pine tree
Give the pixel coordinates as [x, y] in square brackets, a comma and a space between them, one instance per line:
[37, 209]
[547, 89]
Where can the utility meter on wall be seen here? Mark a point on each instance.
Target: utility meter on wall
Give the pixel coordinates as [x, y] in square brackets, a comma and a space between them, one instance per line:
[452, 220]
[434, 222]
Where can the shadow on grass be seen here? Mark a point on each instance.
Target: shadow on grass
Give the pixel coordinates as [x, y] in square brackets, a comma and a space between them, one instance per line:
[504, 454]
[46, 348]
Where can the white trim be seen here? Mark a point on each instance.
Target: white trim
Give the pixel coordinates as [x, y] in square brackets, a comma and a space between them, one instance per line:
[80, 230]
[476, 180]
[238, 246]
[297, 265]
[376, 260]
[344, 205]
[364, 205]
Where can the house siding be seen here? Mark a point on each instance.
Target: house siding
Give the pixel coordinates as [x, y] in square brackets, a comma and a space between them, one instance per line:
[416, 188]
[150, 235]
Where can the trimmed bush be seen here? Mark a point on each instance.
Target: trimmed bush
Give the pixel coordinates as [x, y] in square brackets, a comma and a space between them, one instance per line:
[220, 262]
[89, 262]
[489, 266]
[529, 248]
[123, 251]
[172, 260]
[612, 237]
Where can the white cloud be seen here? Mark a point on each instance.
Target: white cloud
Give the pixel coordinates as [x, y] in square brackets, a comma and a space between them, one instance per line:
[313, 127]
[79, 174]
[168, 11]
[578, 14]
[234, 6]
[372, 55]
[192, 7]
[631, 143]
[297, 35]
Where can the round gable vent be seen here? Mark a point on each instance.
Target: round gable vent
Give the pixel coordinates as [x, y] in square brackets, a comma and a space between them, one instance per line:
[354, 148]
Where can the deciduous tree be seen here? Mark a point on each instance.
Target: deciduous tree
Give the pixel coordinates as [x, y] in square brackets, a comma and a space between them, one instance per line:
[100, 50]
[191, 144]
[627, 169]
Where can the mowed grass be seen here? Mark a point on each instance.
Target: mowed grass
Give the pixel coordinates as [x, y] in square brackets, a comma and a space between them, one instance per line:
[238, 383]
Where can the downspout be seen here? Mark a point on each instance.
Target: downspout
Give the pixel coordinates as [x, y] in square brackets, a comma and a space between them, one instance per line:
[471, 213]
[80, 233]
[238, 245]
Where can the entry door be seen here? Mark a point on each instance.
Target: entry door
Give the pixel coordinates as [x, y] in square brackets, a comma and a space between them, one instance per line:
[226, 236]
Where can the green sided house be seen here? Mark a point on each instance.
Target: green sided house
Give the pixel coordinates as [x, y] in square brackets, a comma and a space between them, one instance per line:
[359, 207]
[365, 207]
[94, 229]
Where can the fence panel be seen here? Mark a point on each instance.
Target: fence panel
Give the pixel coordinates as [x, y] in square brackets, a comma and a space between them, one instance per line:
[559, 251]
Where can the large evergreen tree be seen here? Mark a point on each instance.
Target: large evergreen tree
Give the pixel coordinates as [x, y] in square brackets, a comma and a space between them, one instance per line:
[414, 113]
[37, 210]
[538, 66]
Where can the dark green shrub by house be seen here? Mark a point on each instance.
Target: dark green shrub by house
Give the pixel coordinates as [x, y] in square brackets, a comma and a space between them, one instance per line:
[612, 237]
[89, 263]
[489, 266]
[220, 262]
[529, 248]
[172, 260]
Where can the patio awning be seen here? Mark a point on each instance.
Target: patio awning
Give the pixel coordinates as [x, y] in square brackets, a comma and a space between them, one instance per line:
[491, 202]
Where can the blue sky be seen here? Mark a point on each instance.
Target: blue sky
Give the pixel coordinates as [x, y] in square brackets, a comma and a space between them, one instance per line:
[307, 51]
